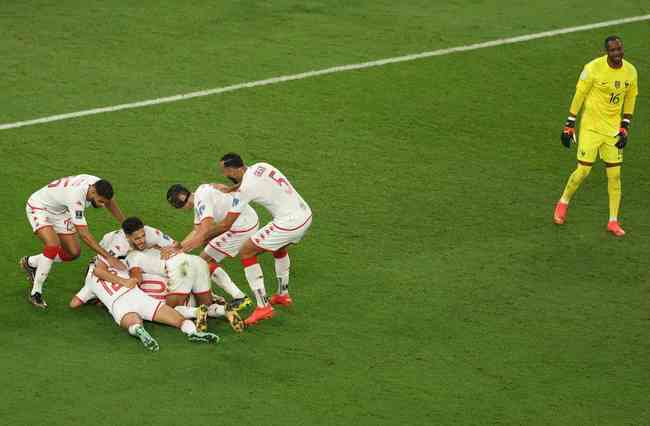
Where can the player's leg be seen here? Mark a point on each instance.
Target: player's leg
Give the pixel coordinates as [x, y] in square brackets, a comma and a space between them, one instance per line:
[214, 255]
[278, 241]
[70, 248]
[587, 154]
[133, 324]
[168, 316]
[613, 158]
[39, 266]
[255, 277]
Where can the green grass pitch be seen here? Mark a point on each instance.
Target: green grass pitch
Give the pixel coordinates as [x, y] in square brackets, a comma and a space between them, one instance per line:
[433, 287]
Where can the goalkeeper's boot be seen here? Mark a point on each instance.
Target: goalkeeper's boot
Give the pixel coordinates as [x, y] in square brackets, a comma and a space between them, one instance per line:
[147, 341]
[37, 300]
[239, 304]
[30, 271]
[235, 321]
[260, 313]
[615, 228]
[203, 337]
[560, 212]
[281, 299]
[201, 321]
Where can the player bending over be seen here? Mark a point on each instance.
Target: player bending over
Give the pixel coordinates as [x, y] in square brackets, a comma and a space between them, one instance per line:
[607, 87]
[129, 305]
[211, 206]
[264, 184]
[56, 214]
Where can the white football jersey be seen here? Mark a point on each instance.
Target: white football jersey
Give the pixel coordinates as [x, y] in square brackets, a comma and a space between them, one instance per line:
[148, 260]
[210, 202]
[105, 291]
[67, 194]
[264, 184]
[118, 245]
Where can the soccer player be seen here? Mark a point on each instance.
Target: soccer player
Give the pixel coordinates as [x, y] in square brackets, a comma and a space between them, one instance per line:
[185, 274]
[129, 305]
[607, 87]
[211, 206]
[264, 184]
[56, 214]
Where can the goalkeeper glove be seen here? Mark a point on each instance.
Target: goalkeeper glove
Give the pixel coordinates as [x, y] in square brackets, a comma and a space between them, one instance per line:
[623, 133]
[569, 132]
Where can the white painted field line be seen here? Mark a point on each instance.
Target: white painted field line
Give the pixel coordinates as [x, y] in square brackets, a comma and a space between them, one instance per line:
[337, 69]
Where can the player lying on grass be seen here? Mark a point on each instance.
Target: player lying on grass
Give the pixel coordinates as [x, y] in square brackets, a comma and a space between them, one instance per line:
[186, 274]
[129, 305]
[210, 206]
[56, 214]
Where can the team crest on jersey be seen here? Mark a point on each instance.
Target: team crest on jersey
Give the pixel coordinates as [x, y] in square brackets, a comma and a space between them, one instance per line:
[259, 171]
[200, 210]
[617, 84]
[79, 214]
[627, 84]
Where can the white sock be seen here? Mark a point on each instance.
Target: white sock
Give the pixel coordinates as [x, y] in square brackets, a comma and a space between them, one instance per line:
[222, 279]
[42, 271]
[188, 327]
[186, 311]
[33, 260]
[282, 266]
[133, 328]
[255, 279]
[216, 310]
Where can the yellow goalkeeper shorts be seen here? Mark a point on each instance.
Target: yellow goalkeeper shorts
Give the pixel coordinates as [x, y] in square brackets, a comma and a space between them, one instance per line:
[592, 144]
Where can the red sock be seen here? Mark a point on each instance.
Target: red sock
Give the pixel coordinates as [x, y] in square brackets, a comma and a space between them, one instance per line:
[249, 262]
[51, 251]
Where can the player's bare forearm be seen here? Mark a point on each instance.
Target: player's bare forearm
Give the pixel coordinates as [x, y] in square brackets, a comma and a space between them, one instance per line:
[89, 240]
[115, 210]
[102, 272]
[136, 274]
[225, 224]
[225, 188]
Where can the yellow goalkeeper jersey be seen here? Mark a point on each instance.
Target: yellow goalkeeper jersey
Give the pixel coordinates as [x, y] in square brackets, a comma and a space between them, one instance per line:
[605, 91]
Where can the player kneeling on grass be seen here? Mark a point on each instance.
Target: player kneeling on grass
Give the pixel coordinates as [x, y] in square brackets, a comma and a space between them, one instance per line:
[129, 305]
[185, 273]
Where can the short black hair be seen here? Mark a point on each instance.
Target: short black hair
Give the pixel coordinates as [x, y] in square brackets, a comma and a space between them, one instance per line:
[173, 195]
[104, 189]
[611, 38]
[132, 224]
[232, 160]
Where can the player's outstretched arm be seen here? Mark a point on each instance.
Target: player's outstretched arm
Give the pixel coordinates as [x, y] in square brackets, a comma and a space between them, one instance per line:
[92, 244]
[115, 210]
[101, 271]
[201, 234]
[225, 224]
[225, 188]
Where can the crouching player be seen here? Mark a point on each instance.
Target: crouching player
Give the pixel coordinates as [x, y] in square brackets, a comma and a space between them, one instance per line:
[129, 305]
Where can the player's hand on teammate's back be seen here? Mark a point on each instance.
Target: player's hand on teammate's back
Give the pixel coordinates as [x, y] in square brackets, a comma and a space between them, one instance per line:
[169, 252]
[131, 283]
[568, 133]
[220, 187]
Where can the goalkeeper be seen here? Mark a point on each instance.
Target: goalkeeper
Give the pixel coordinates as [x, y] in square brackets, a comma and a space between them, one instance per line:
[607, 87]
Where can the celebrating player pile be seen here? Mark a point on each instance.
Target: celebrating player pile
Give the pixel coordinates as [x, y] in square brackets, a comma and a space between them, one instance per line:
[606, 86]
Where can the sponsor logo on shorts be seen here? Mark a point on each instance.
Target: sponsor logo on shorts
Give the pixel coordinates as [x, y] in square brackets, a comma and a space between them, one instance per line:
[235, 202]
[79, 214]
